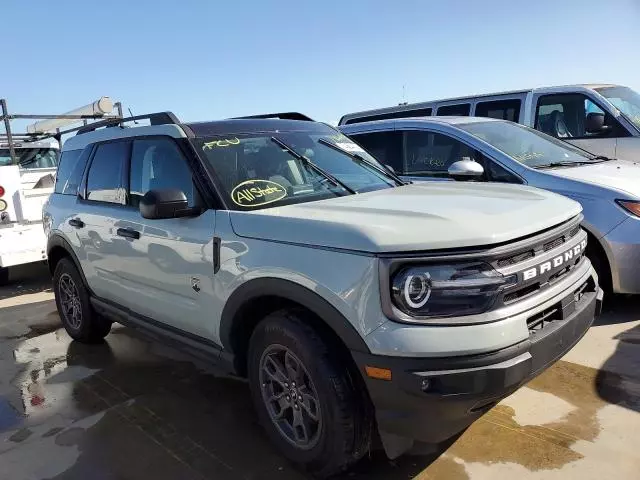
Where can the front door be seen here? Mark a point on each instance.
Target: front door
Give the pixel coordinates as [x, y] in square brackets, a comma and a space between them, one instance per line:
[166, 266]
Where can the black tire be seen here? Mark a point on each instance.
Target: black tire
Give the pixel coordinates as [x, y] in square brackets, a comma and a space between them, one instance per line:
[601, 266]
[346, 416]
[4, 275]
[78, 318]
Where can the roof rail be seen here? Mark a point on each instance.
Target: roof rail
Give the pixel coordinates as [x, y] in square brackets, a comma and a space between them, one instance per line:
[281, 116]
[158, 118]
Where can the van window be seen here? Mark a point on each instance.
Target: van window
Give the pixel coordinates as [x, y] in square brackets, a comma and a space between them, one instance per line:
[104, 182]
[433, 153]
[461, 109]
[157, 163]
[419, 112]
[501, 109]
[564, 116]
[386, 147]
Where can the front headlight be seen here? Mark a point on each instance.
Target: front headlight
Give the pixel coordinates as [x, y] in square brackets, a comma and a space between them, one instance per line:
[447, 290]
[631, 206]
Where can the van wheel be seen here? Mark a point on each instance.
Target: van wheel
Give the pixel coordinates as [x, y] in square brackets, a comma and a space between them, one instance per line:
[72, 299]
[304, 397]
[4, 275]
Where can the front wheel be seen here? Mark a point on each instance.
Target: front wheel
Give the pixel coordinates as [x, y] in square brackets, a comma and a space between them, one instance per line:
[305, 398]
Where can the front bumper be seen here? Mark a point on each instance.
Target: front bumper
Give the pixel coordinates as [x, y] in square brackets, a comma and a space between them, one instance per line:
[22, 244]
[433, 399]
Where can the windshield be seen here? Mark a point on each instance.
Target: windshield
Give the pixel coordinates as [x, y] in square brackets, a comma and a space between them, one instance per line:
[625, 100]
[30, 157]
[255, 171]
[529, 147]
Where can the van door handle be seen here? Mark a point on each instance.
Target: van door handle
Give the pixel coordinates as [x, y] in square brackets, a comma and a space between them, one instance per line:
[76, 222]
[128, 233]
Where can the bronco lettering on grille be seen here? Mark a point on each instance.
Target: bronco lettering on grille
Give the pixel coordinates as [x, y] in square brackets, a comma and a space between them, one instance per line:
[556, 261]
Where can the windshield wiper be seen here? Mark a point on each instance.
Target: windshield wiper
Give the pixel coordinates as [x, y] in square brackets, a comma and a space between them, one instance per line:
[603, 158]
[312, 165]
[560, 164]
[362, 161]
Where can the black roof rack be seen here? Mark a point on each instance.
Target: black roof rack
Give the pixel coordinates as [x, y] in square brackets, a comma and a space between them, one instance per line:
[158, 118]
[281, 116]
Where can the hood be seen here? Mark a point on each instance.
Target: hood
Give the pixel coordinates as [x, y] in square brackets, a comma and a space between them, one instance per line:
[424, 216]
[618, 174]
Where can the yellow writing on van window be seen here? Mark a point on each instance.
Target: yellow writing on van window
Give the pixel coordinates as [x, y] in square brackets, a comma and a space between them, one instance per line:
[225, 142]
[255, 193]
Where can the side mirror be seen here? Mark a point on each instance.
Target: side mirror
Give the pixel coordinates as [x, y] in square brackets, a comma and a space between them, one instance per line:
[390, 168]
[465, 170]
[594, 123]
[169, 203]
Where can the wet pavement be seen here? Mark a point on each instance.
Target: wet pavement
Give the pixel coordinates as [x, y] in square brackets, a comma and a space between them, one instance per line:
[132, 408]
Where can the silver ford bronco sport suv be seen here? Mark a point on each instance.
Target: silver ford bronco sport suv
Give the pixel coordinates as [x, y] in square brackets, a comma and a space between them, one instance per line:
[360, 308]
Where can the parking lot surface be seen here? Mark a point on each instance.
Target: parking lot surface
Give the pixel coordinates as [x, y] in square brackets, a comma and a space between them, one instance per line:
[133, 408]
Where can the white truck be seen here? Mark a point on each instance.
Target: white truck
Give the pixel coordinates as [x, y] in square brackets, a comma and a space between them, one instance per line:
[28, 163]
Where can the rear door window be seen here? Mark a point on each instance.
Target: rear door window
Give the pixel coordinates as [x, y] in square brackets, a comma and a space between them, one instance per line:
[386, 147]
[502, 109]
[105, 178]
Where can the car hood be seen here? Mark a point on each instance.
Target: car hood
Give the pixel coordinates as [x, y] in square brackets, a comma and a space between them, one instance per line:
[618, 174]
[425, 216]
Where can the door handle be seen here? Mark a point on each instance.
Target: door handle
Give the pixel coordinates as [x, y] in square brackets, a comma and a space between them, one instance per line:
[76, 222]
[128, 233]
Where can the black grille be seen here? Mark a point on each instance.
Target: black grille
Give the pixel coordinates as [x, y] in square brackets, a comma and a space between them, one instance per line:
[574, 232]
[553, 244]
[521, 293]
[538, 321]
[512, 260]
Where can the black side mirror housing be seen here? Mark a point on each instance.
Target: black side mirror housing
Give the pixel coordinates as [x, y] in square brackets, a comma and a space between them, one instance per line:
[169, 203]
[595, 123]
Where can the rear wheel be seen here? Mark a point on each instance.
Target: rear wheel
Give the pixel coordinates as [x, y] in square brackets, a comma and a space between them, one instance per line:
[74, 307]
[4, 275]
[305, 397]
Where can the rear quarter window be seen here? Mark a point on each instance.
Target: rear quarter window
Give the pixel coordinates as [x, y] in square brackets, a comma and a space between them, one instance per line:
[70, 170]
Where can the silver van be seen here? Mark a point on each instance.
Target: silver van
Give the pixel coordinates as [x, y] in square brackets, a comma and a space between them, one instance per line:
[603, 119]
[484, 149]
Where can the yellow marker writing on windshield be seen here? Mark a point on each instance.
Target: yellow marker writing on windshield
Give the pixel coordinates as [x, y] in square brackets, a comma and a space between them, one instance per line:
[226, 142]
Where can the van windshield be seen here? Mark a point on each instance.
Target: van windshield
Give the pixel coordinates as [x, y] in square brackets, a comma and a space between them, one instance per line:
[29, 158]
[270, 169]
[527, 146]
[625, 100]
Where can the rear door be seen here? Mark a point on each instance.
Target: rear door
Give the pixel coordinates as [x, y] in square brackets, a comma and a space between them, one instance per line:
[102, 202]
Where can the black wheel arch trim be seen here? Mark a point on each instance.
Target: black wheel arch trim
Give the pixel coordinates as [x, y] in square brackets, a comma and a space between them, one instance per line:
[287, 290]
[58, 241]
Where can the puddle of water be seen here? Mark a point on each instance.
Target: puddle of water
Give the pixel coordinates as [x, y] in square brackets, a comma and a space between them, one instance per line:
[497, 438]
